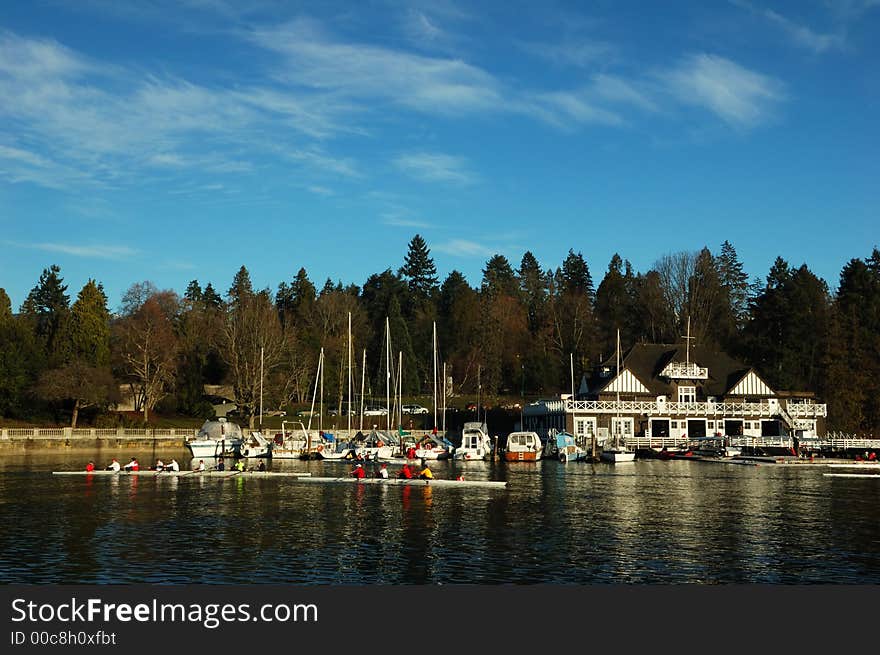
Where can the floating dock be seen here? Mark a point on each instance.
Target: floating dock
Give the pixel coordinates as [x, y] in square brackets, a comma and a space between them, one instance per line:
[299, 477]
[852, 475]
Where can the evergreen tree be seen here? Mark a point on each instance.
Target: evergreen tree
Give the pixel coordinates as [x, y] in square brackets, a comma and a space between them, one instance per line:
[533, 287]
[613, 307]
[47, 306]
[211, 298]
[419, 270]
[498, 277]
[21, 359]
[735, 282]
[90, 326]
[241, 287]
[193, 294]
[576, 276]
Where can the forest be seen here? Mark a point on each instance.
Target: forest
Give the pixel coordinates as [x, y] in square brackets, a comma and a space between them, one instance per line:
[516, 334]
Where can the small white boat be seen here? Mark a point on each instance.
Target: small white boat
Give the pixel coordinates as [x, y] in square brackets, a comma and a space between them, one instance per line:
[618, 455]
[434, 447]
[255, 445]
[216, 438]
[475, 443]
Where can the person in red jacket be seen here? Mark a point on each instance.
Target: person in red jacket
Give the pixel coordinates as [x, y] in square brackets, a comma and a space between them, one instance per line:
[405, 472]
[90, 466]
[358, 471]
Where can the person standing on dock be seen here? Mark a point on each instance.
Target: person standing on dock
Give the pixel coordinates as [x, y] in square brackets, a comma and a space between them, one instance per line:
[114, 465]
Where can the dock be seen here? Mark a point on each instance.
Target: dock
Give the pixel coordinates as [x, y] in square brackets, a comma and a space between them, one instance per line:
[852, 475]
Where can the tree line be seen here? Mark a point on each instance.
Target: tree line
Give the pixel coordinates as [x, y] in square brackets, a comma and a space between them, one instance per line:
[520, 332]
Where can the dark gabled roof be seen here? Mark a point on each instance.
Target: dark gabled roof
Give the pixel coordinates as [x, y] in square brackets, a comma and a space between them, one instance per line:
[647, 361]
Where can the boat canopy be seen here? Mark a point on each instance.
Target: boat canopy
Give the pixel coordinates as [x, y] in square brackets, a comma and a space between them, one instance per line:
[564, 439]
[220, 429]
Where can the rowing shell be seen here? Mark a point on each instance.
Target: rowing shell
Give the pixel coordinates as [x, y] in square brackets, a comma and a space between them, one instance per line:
[299, 477]
[200, 474]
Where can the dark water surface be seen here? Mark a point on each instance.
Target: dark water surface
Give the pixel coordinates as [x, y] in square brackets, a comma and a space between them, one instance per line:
[646, 522]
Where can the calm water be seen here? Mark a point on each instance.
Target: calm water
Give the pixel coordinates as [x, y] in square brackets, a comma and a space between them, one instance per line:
[646, 522]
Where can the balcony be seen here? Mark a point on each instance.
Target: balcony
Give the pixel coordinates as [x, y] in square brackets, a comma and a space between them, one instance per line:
[685, 371]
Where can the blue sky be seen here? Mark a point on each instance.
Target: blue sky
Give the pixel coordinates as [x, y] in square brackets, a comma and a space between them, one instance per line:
[168, 141]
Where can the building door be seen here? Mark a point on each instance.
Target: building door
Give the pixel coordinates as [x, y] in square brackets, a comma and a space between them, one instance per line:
[584, 429]
[660, 428]
[696, 428]
[771, 428]
[733, 428]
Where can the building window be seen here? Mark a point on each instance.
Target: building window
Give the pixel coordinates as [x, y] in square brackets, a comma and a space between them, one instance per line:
[675, 425]
[748, 425]
[687, 394]
[711, 425]
[584, 427]
[622, 426]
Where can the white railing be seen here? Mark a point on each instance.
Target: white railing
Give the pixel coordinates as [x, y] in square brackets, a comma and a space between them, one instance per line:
[687, 409]
[96, 433]
[683, 370]
[806, 410]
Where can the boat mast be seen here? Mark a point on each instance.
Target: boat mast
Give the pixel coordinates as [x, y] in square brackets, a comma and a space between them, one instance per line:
[443, 396]
[617, 386]
[363, 380]
[387, 374]
[435, 373]
[349, 375]
[399, 401]
[261, 389]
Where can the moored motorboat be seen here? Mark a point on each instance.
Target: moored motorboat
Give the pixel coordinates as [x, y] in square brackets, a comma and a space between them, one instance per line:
[475, 443]
[523, 447]
[562, 445]
[216, 438]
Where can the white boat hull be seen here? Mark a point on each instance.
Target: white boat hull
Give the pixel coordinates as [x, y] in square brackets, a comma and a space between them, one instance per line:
[202, 448]
[618, 456]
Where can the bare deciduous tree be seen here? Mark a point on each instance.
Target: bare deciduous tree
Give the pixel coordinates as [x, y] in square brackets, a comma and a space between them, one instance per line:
[147, 349]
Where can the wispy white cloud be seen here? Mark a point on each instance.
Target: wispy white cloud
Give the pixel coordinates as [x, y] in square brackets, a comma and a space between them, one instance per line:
[582, 53]
[399, 221]
[800, 35]
[435, 167]
[316, 60]
[464, 248]
[621, 91]
[739, 96]
[320, 190]
[94, 124]
[93, 251]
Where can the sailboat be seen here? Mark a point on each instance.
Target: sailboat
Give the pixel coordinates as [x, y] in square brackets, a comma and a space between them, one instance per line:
[434, 446]
[618, 452]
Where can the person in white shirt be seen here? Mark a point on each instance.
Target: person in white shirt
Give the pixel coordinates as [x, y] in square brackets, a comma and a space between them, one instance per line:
[383, 472]
[201, 465]
[173, 465]
[114, 465]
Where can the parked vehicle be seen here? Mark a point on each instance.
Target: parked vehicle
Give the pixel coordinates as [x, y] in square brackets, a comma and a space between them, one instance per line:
[374, 410]
[414, 409]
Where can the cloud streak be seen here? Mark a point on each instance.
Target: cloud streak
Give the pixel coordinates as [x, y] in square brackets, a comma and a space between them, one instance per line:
[435, 167]
[93, 251]
[740, 97]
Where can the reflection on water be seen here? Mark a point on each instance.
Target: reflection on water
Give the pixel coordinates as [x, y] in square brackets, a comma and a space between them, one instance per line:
[647, 522]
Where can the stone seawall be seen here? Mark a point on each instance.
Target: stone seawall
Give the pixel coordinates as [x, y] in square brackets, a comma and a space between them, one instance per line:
[20, 439]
